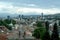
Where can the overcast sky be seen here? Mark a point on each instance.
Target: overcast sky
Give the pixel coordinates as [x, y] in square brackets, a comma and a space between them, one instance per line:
[30, 6]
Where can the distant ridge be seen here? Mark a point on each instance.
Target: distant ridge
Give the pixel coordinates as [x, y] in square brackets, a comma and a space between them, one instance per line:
[15, 15]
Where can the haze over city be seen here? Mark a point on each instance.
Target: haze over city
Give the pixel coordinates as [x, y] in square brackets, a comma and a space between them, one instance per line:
[29, 19]
[29, 7]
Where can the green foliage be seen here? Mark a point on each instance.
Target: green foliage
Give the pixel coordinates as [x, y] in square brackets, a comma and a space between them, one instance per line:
[40, 30]
[39, 24]
[9, 21]
[47, 25]
[7, 26]
[13, 22]
[36, 33]
[55, 35]
[46, 36]
[59, 22]
[1, 23]
[6, 23]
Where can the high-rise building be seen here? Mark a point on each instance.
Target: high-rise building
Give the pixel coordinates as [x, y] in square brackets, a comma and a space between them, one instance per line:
[42, 15]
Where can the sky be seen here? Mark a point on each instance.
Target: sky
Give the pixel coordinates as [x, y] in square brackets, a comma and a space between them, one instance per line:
[28, 7]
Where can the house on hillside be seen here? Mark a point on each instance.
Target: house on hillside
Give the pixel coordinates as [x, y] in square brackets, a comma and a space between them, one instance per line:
[3, 29]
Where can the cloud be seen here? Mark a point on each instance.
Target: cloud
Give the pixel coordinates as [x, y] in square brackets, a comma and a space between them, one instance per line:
[25, 5]
[30, 5]
[10, 8]
[39, 10]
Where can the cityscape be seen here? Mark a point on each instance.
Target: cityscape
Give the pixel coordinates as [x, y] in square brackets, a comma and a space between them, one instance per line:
[23, 27]
[29, 20]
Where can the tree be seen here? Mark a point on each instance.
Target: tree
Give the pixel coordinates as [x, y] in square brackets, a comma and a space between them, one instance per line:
[36, 33]
[1, 23]
[59, 22]
[55, 35]
[13, 22]
[10, 21]
[47, 25]
[46, 35]
[6, 25]
[39, 24]
[39, 31]
[7, 21]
